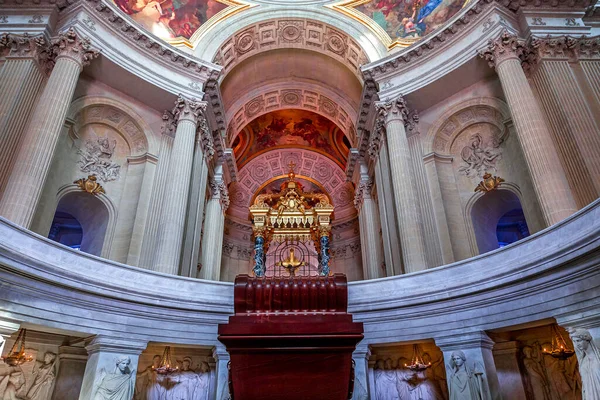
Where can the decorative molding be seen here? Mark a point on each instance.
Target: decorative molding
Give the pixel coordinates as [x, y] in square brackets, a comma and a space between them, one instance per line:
[363, 191]
[205, 138]
[90, 185]
[36, 19]
[508, 46]
[188, 109]
[26, 46]
[74, 46]
[218, 190]
[291, 33]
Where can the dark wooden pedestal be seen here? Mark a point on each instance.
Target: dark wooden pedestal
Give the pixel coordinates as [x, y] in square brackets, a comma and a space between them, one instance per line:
[291, 338]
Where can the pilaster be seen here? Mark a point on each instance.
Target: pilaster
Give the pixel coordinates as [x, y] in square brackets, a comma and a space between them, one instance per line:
[111, 358]
[469, 357]
[222, 358]
[361, 374]
[72, 363]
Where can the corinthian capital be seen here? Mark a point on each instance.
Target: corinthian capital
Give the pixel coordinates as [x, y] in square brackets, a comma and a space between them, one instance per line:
[391, 110]
[205, 138]
[26, 46]
[506, 47]
[561, 47]
[71, 45]
[188, 109]
[363, 191]
[218, 190]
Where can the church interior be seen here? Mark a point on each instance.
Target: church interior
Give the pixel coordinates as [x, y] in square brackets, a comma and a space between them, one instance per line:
[299, 199]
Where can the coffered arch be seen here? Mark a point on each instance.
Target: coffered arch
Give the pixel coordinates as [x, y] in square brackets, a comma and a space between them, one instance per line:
[298, 95]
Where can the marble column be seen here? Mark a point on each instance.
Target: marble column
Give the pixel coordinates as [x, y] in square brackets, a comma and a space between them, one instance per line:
[370, 237]
[470, 353]
[395, 115]
[21, 77]
[214, 224]
[72, 362]
[387, 208]
[148, 246]
[361, 374]
[33, 160]
[203, 154]
[111, 358]
[575, 131]
[548, 177]
[222, 358]
[174, 210]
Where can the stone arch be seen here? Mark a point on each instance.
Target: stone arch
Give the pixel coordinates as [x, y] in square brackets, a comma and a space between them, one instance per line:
[498, 196]
[122, 118]
[291, 32]
[309, 97]
[97, 215]
[450, 124]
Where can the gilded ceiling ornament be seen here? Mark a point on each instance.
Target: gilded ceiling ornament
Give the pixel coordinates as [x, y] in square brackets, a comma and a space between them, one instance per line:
[90, 185]
[488, 183]
[399, 23]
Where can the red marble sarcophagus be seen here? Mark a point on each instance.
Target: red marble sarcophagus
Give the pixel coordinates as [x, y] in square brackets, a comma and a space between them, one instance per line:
[291, 338]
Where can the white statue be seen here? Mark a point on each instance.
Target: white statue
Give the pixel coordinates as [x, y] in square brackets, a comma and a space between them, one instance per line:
[535, 372]
[589, 363]
[12, 383]
[187, 384]
[44, 373]
[404, 380]
[466, 383]
[385, 384]
[116, 385]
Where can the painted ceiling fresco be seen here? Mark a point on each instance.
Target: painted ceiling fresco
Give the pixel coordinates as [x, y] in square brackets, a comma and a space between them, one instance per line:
[170, 19]
[406, 20]
[291, 128]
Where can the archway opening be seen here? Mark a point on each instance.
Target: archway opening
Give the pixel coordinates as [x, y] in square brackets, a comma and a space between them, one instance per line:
[498, 220]
[511, 227]
[66, 230]
[88, 213]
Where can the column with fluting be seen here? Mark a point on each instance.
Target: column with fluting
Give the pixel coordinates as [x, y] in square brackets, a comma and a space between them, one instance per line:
[174, 210]
[370, 238]
[395, 115]
[21, 77]
[33, 160]
[214, 224]
[548, 177]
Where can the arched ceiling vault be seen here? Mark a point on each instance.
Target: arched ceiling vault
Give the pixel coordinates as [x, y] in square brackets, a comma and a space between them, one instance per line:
[292, 94]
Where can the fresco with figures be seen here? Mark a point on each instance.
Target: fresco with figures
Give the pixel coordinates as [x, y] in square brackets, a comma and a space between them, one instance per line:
[291, 128]
[410, 19]
[169, 19]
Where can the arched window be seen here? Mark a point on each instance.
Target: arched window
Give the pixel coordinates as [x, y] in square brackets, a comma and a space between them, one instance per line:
[66, 230]
[498, 220]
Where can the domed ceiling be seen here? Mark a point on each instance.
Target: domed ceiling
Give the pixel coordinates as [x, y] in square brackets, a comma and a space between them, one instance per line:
[291, 128]
[179, 19]
[401, 22]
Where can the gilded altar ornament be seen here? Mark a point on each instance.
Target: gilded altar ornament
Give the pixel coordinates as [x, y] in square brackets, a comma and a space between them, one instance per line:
[559, 348]
[17, 356]
[488, 183]
[90, 185]
[291, 264]
[291, 215]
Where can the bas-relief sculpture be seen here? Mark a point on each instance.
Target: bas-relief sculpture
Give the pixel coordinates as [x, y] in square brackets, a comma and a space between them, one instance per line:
[588, 356]
[185, 384]
[95, 158]
[19, 383]
[466, 382]
[480, 156]
[548, 378]
[401, 383]
[117, 384]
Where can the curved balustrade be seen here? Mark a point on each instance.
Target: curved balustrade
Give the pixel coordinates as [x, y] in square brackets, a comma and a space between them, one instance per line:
[551, 274]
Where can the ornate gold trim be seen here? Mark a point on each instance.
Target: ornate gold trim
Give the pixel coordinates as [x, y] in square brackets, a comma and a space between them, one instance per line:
[305, 178]
[90, 185]
[346, 7]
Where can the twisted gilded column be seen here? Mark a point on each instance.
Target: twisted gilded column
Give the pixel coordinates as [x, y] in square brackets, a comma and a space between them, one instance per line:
[395, 115]
[20, 79]
[173, 214]
[32, 163]
[549, 181]
[571, 120]
[214, 224]
[370, 237]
